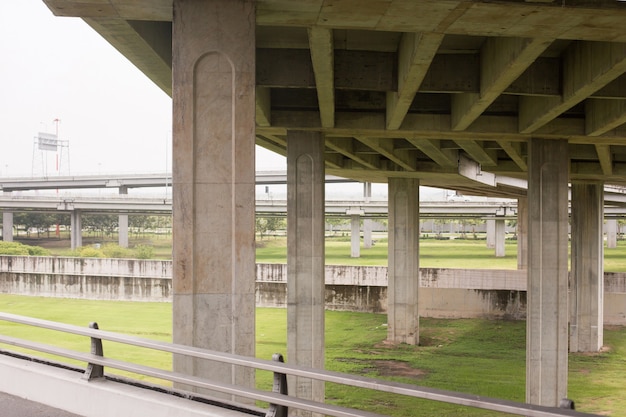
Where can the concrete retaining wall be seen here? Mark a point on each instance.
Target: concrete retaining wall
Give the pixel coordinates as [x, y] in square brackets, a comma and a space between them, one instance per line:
[444, 292]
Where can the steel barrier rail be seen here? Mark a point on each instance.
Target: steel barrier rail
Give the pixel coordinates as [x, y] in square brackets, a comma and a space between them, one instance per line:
[278, 368]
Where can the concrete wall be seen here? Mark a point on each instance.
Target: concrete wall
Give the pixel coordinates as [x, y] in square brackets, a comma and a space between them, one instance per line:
[444, 292]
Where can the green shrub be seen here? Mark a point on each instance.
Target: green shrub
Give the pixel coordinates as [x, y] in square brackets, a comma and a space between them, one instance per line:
[89, 252]
[143, 252]
[19, 249]
[111, 250]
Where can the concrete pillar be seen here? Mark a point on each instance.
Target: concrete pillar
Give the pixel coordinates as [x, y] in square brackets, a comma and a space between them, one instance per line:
[305, 259]
[587, 276]
[611, 233]
[7, 226]
[76, 228]
[546, 328]
[122, 226]
[491, 232]
[122, 230]
[213, 183]
[367, 223]
[403, 263]
[355, 236]
[500, 235]
[522, 233]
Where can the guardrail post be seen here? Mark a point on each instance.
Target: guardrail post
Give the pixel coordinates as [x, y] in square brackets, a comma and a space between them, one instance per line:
[94, 371]
[280, 386]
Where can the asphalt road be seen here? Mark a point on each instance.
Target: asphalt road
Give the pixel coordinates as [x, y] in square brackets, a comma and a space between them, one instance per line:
[11, 406]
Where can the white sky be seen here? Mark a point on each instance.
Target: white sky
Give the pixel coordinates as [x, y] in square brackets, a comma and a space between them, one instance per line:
[115, 119]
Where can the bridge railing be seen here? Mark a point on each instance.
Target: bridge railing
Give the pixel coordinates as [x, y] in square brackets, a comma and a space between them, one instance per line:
[279, 400]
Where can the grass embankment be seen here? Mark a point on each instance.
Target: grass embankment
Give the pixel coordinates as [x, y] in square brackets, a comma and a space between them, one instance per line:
[474, 356]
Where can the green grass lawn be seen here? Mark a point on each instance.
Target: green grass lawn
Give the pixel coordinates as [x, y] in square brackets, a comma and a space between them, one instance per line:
[475, 356]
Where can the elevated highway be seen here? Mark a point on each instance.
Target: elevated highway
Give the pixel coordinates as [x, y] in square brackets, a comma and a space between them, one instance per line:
[467, 95]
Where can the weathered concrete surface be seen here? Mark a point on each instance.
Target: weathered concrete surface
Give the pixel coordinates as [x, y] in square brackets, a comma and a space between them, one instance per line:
[547, 323]
[444, 292]
[213, 182]
[586, 332]
[403, 261]
[305, 260]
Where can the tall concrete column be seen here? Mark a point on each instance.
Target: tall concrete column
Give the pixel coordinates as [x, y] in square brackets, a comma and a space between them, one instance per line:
[213, 183]
[500, 235]
[491, 232]
[305, 259]
[546, 328]
[587, 276]
[7, 226]
[122, 226]
[522, 233]
[367, 223]
[403, 263]
[611, 233]
[76, 229]
[355, 236]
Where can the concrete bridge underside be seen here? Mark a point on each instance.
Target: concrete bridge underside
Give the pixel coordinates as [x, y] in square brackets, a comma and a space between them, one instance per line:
[461, 94]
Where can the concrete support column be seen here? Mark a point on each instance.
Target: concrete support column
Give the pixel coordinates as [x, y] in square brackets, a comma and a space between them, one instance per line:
[76, 226]
[213, 183]
[403, 270]
[611, 233]
[367, 223]
[491, 232]
[546, 329]
[355, 236]
[522, 233]
[305, 259]
[587, 276]
[122, 226]
[500, 235]
[7, 226]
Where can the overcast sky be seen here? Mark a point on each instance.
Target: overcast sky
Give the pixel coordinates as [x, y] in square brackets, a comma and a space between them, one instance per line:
[115, 119]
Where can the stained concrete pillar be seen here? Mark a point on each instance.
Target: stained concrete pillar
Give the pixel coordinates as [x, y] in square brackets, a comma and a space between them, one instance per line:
[355, 236]
[122, 225]
[491, 232]
[76, 228]
[500, 235]
[305, 259]
[587, 276]
[547, 317]
[213, 183]
[7, 226]
[611, 233]
[367, 223]
[403, 263]
[522, 233]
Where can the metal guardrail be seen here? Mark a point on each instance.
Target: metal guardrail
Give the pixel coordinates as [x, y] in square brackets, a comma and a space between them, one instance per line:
[279, 400]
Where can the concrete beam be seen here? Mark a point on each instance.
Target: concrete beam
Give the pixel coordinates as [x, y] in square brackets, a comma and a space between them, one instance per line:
[415, 53]
[502, 61]
[386, 148]
[322, 57]
[603, 115]
[603, 63]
